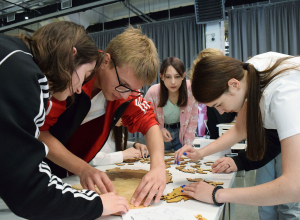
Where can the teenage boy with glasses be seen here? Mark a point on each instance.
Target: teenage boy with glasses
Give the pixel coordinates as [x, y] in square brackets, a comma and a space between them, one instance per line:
[76, 132]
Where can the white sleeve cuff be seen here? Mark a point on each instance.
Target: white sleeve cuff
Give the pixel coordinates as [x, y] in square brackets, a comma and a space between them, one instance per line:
[106, 159]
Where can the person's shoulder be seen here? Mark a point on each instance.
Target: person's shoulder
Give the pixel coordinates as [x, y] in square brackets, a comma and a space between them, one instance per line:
[270, 54]
[9, 44]
[155, 86]
[265, 56]
[16, 58]
[264, 61]
[154, 89]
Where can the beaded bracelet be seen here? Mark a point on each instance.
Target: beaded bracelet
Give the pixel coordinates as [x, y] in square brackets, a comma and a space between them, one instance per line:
[214, 195]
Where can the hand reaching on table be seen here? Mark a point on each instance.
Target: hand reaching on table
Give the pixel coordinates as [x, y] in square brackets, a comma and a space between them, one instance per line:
[224, 165]
[142, 148]
[130, 153]
[90, 176]
[166, 135]
[154, 180]
[188, 151]
[113, 204]
[200, 191]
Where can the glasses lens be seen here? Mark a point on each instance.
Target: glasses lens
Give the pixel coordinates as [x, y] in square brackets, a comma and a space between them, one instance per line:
[122, 89]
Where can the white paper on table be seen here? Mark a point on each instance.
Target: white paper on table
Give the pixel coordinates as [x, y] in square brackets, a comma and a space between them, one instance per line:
[155, 213]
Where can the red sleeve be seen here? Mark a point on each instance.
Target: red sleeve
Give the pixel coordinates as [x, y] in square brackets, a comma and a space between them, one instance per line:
[54, 109]
[139, 116]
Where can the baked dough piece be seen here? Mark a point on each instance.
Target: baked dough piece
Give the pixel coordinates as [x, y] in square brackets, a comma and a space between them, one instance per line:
[175, 196]
[199, 217]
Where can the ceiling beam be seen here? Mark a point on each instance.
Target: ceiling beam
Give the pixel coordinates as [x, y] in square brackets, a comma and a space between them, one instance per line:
[27, 29]
[58, 14]
[16, 4]
[102, 14]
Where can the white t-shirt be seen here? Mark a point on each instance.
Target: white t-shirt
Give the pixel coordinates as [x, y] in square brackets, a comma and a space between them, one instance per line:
[280, 102]
[98, 106]
[107, 155]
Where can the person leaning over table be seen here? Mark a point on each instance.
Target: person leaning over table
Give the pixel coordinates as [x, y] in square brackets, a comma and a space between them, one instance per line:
[264, 95]
[269, 168]
[115, 149]
[76, 133]
[54, 61]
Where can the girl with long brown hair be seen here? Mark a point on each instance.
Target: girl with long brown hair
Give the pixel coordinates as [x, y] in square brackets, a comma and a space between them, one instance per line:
[55, 60]
[175, 107]
[264, 91]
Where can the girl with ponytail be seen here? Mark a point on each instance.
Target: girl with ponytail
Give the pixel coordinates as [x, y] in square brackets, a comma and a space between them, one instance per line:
[265, 93]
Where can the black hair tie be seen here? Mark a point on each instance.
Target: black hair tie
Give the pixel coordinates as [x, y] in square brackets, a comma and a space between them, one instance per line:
[214, 195]
[245, 66]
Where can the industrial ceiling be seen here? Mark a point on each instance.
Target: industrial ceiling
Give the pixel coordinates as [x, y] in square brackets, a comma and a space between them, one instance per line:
[29, 15]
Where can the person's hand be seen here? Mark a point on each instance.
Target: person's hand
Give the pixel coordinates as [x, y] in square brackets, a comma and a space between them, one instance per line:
[90, 176]
[113, 204]
[189, 151]
[224, 165]
[166, 135]
[130, 153]
[154, 180]
[200, 191]
[142, 148]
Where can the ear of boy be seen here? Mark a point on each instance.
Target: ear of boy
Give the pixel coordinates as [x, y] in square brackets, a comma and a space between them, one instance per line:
[105, 61]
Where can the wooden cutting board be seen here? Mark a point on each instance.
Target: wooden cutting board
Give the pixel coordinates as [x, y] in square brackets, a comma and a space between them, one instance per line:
[125, 181]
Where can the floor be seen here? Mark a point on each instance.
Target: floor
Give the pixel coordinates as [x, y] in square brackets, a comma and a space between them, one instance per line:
[242, 212]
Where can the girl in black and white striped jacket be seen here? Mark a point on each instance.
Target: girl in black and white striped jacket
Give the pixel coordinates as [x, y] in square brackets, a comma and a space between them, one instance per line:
[57, 59]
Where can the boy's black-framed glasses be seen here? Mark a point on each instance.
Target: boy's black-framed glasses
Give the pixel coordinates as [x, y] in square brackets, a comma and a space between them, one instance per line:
[122, 88]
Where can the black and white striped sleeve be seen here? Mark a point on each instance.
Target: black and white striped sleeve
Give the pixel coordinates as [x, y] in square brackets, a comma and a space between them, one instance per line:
[27, 185]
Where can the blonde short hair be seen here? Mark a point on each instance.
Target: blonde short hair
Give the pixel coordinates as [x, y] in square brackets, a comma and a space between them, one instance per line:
[204, 53]
[137, 50]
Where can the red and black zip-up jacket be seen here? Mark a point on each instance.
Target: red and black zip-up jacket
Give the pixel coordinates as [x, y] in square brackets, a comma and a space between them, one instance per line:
[86, 140]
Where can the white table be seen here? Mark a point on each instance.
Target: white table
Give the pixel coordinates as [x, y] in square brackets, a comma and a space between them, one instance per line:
[210, 212]
[224, 127]
[201, 142]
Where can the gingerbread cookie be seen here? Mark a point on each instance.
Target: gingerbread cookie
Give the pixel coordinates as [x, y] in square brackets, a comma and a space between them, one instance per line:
[131, 160]
[199, 217]
[175, 196]
[120, 164]
[194, 161]
[195, 180]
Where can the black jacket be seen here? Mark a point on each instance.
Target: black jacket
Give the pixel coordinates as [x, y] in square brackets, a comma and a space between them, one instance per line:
[27, 185]
[214, 118]
[273, 149]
